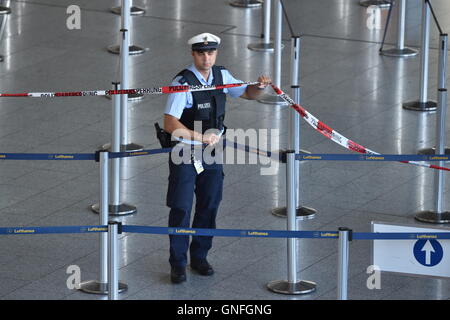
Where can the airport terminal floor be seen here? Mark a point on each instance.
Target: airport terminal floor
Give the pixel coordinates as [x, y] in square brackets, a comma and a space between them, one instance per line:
[345, 83]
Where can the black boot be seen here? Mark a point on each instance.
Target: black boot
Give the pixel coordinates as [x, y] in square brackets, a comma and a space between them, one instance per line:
[202, 267]
[177, 274]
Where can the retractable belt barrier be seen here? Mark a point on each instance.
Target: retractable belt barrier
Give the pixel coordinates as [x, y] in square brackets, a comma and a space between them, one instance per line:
[275, 155]
[239, 233]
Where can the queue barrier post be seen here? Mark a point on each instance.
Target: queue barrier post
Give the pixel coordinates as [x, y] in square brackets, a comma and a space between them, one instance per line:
[115, 208]
[5, 11]
[343, 257]
[113, 266]
[101, 286]
[442, 83]
[423, 104]
[438, 215]
[246, 3]
[273, 98]
[124, 75]
[302, 212]
[292, 285]
[379, 3]
[126, 19]
[134, 11]
[400, 50]
[265, 45]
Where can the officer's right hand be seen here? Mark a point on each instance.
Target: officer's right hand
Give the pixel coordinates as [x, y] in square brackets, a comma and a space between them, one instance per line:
[210, 138]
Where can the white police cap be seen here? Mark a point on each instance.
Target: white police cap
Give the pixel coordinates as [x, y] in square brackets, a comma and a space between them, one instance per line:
[204, 41]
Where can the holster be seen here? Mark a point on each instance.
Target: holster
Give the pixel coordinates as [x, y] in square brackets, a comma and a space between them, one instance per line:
[165, 138]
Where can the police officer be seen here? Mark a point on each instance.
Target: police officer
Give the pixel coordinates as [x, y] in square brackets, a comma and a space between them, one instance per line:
[203, 179]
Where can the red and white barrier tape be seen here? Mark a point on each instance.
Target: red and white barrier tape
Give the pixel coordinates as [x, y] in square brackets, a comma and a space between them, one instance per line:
[160, 90]
[309, 118]
[335, 136]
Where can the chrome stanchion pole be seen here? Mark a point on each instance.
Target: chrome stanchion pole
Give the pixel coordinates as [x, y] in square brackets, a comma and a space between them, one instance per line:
[126, 47]
[5, 14]
[292, 285]
[442, 83]
[273, 98]
[116, 208]
[379, 3]
[439, 215]
[126, 21]
[294, 132]
[246, 3]
[400, 50]
[423, 104]
[343, 254]
[101, 286]
[113, 266]
[124, 144]
[134, 11]
[266, 45]
[5, 9]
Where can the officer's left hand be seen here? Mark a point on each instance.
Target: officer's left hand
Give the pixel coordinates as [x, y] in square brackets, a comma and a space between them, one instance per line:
[264, 81]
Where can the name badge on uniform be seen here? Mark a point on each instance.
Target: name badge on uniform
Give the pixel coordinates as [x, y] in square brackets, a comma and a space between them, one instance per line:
[197, 165]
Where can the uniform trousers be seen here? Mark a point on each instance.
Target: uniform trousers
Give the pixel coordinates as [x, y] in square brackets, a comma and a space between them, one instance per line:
[207, 186]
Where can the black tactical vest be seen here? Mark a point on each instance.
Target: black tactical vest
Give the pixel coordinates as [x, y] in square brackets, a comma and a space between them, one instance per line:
[208, 106]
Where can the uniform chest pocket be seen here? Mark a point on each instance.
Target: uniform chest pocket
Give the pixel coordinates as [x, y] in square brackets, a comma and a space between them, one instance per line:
[203, 110]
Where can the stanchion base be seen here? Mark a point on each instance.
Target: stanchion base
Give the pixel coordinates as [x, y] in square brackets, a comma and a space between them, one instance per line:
[400, 53]
[133, 50]
[272, 99]
[123, 148]
[261, 47]
[302, 213]
[378, 3]
[122, 209]
[5, 10]
[285, 287]
[135, 11]
[433, 217]
[95, 287]
[431, 151]
[246, 4]
[428, 106]
[131, 97]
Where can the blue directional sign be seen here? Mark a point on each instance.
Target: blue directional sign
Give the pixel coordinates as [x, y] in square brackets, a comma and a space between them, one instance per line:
[428, 252]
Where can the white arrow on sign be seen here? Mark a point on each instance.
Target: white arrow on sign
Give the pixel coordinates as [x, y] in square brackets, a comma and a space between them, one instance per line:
[428, 248]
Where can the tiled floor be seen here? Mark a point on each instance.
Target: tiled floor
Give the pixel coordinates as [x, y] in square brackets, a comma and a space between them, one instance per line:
[345, 83]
